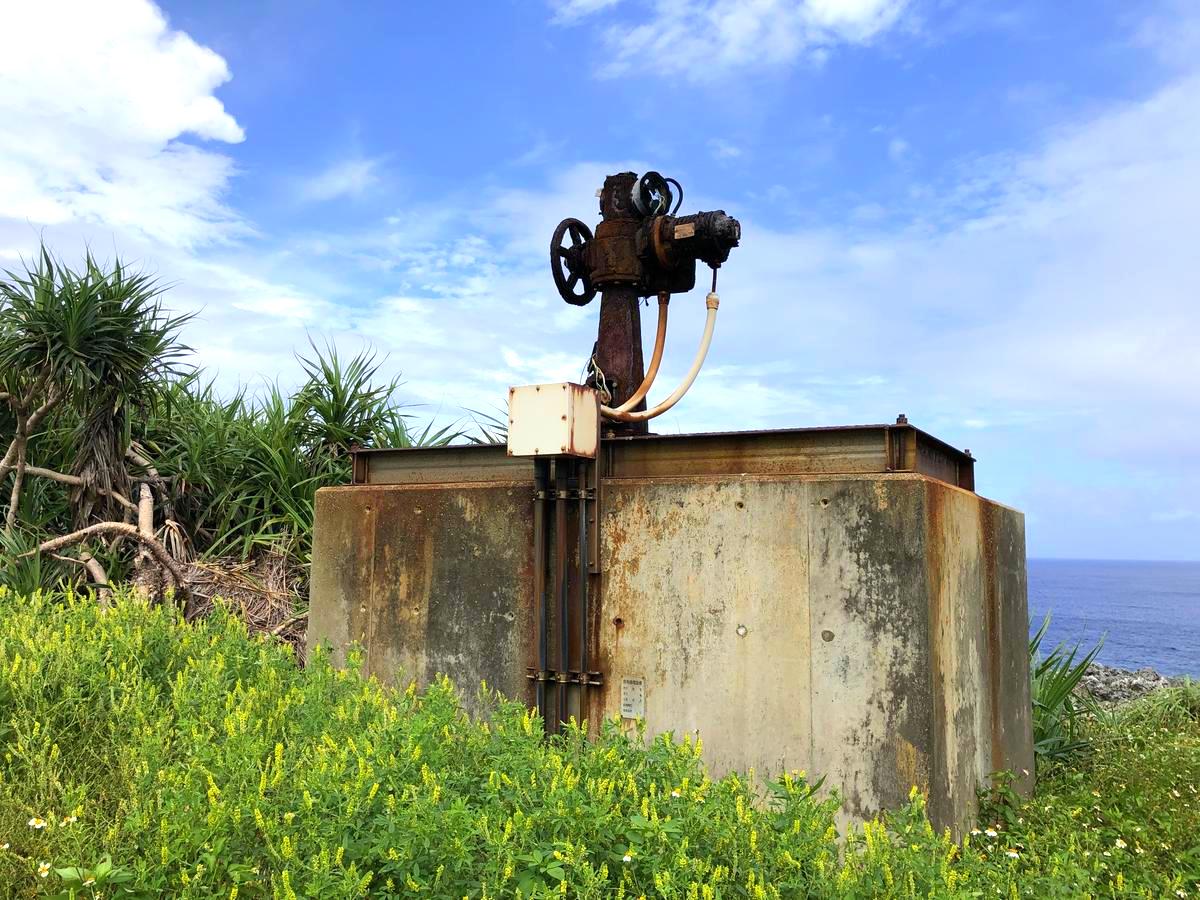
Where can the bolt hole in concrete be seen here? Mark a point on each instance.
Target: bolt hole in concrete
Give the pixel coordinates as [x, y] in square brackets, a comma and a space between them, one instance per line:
[827, 636]
[742, 631]
[740, 505]
[824, 502]
[619, 622]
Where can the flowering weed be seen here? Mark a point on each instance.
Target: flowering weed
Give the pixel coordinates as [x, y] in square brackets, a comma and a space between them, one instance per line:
[141, 756]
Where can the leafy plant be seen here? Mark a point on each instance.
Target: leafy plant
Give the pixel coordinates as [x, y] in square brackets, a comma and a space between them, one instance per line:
[1057, 709]
[202, 761]
[96, 408]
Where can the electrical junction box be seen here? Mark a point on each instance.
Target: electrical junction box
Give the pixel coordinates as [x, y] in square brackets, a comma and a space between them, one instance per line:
[553, 420]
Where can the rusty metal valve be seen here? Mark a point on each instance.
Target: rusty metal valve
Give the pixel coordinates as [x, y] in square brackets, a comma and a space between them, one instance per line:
[567, 265]
[638, 243]
[640, 248]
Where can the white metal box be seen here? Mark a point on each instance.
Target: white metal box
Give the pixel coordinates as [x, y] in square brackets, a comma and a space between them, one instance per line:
[553, 420]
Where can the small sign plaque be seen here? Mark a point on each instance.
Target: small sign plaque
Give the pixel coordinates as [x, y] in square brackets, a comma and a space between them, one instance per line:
[686, 230]
[633, 698]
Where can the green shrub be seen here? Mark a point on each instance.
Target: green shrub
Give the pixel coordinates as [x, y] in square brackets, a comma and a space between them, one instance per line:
[1057, 710]
[194, 761]
[142, 756]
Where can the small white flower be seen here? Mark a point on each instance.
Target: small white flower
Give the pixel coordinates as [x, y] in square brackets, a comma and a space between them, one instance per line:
[37, 822]
[43, 869]
[1120, 844]
[1106, 853]
[991, 832]
[5, 845]
[1012, 854]
[626, 858]
[975, 832]
[89, 882]
[68, 820]
[676, 794]
[1138, 850]
[1180, 892]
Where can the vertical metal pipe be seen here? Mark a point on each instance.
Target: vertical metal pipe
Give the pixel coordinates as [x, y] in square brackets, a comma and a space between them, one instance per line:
[540, 486]
[585, 616]
[561, 485]
[619, 350]
[584, 613]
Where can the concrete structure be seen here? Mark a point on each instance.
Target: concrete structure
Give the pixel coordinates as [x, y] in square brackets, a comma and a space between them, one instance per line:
[834, 600]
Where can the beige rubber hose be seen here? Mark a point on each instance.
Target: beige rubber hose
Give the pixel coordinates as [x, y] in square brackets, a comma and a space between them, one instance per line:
[712, 301]
[660, 340]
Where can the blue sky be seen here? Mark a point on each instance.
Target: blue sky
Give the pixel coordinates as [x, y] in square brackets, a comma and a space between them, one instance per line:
[982, 214]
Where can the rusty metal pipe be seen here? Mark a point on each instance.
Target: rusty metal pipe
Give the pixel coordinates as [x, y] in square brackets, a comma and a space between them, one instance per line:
[585, 614]
[540, 467]
[561, 493]
[712, 301]
[660, 340]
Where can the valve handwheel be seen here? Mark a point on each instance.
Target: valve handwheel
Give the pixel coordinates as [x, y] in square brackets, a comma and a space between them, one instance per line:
[566, 262]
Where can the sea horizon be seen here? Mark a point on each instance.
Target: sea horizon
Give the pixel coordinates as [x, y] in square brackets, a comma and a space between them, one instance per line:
[1147, 611]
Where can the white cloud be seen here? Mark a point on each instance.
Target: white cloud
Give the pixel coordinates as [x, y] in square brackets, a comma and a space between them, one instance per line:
[706, 38]
[109, 123]
[723, 149]
[566, 11]
[347, 178]
[95, 99]
[898, 150]
[1175, 515]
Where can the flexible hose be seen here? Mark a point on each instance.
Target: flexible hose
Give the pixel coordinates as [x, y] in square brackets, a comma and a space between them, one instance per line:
[660, 340]
[712, 301]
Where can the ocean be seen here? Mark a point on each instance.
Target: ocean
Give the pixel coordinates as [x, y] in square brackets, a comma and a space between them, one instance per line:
[1149, 611]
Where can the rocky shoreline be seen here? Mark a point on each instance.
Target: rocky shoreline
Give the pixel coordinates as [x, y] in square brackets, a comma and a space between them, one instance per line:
[1108, 684]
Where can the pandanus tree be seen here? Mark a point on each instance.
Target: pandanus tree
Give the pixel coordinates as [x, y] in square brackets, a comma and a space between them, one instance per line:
[96, 343]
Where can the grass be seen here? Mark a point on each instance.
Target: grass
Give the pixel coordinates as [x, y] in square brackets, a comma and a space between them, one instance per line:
[156, 758]
[1121, 819]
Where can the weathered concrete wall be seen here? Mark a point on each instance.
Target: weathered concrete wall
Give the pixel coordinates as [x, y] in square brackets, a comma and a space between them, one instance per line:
[859, 627]
[428, 579]
[870, 628]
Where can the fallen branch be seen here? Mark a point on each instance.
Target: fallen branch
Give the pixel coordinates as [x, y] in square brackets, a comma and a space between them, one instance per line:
[94, 569]
[156, 549]
[76, 481]
[286, 623]
[135, 455]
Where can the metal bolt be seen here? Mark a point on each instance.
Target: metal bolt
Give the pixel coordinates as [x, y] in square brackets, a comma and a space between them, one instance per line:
[902, 419]
[742, 631]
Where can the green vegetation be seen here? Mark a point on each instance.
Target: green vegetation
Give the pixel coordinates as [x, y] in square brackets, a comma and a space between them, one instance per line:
[160, 758]
[1058, 712]
[101, 421]
[143, 756]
